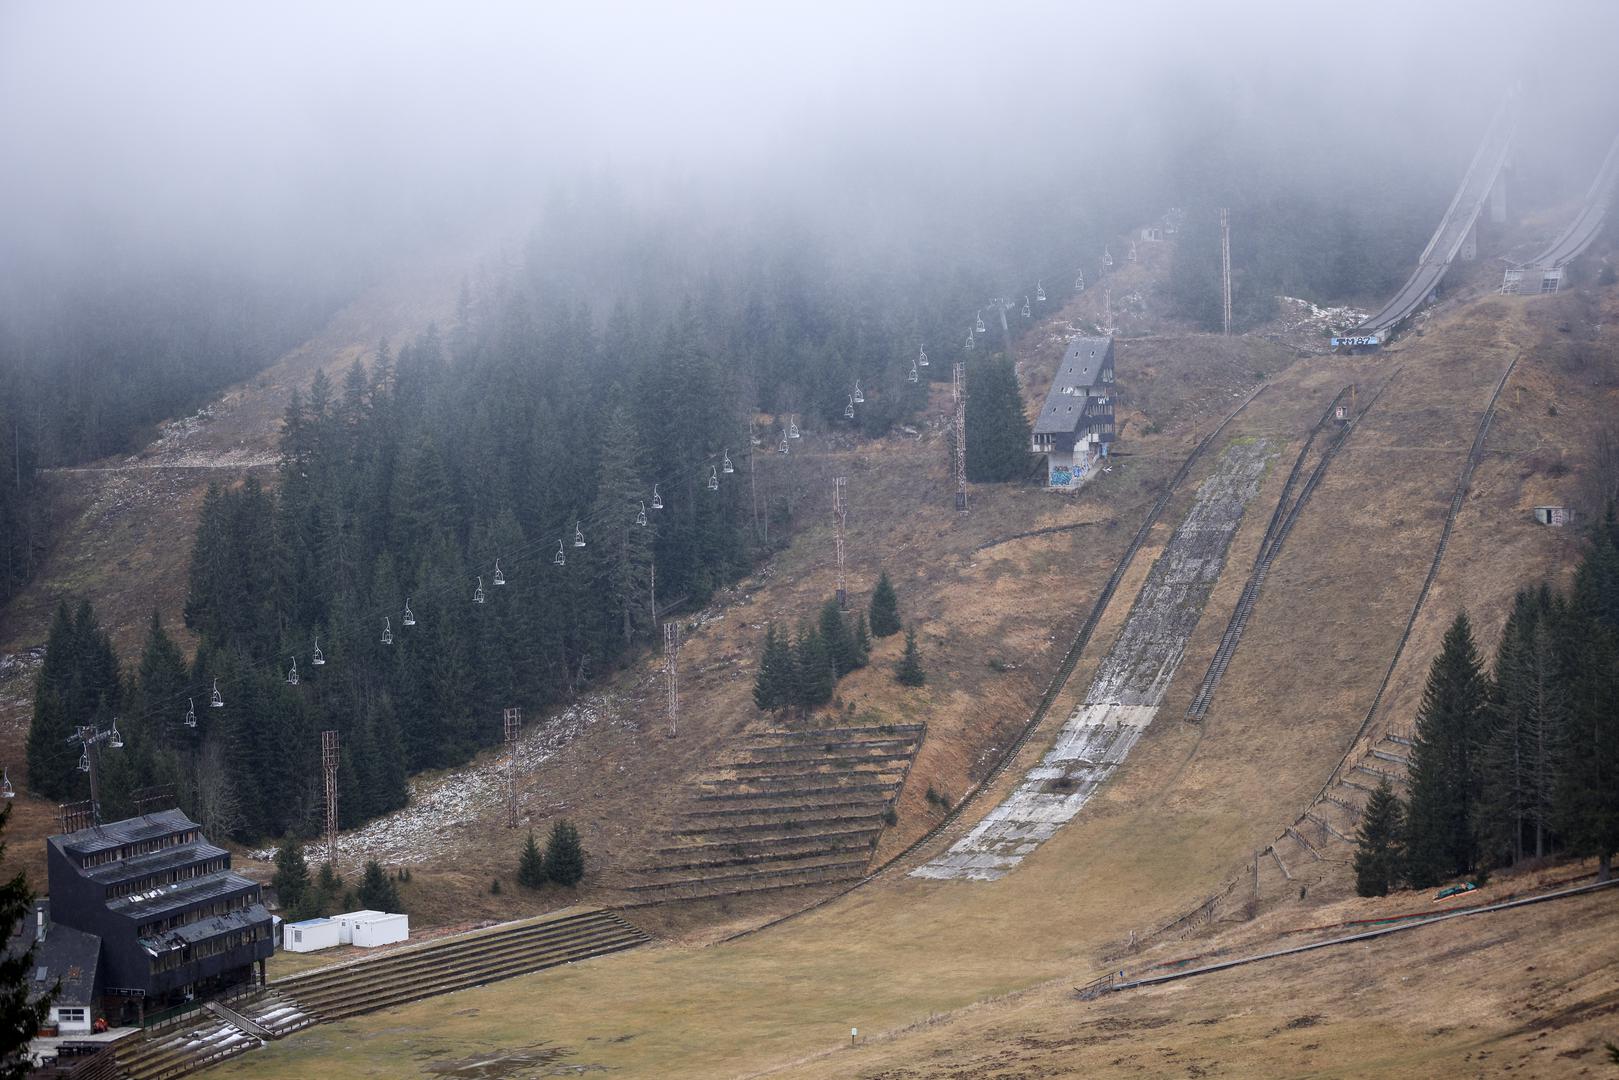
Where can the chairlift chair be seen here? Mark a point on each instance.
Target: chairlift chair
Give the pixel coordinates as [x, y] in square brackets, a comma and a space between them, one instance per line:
[913, 375]
[921, 356]
[6, 790]
[84, 761]
[319, 658]
[500, 578]
[727, 468]
[969, 345]
[782, 449]
[640, 518]
[657, 500]
[191, 712]
[979, 326]
[1107, 257]
[1026, 307]
[218, 700]
[859, 398]
[1040, 291]
[114, 739]
[1079, 282]
[410, 618]
[387, 632]
[477, 594]
[792, 428]
[713, 478]
[292, 675]
[578, 537]
[559, 558]
[848, 410]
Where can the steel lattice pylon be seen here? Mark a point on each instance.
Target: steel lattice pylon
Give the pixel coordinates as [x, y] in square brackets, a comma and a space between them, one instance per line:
[513, 724]
[840, 512]
[328, 765]
[959, 389]
[1225, 265]
[671, 674]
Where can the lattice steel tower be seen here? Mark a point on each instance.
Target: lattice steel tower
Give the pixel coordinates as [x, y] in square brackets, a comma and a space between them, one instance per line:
[1225, 266]
[513, 724]
[671, 674]
[959, 388]
[840, 515]
[328, 765]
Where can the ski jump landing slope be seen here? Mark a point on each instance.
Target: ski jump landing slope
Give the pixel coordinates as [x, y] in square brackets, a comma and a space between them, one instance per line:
[1588, 224]
[1454, 227]
[1129, 685]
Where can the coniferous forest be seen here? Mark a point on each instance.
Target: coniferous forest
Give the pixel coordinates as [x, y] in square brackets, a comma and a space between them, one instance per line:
[1521, 761]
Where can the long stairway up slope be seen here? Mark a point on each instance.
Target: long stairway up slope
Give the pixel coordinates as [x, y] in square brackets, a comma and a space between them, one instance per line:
[217, 1032]
[1129, 685]
[785, 809]
[456, 963]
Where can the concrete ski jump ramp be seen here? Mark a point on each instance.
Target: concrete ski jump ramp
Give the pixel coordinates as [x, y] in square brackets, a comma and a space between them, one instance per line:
[1129, 685]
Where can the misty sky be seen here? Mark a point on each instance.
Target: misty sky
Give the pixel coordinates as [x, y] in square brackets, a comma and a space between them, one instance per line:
[218, 123]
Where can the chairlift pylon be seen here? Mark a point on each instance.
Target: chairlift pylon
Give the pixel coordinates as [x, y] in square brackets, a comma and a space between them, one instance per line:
[640, 518]
[410, 618]
[319, 658]
[500, 578]
[559, 558]
[191, 712]
[657, 500]
[713, 478]
[387, 632]
[1040, 291]
[218, 700]
[578, 537]
[727, 468]
[477, 594]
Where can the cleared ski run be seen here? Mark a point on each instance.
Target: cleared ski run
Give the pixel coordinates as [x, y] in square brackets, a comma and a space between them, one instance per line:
[1129, 685]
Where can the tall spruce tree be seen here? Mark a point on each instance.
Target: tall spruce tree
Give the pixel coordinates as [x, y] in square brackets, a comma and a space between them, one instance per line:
[1586, 785]
[814, 680]
[377, 890]
[908, 671]
[531, 864]
[1377, 844]
[1442, 819]
[291, 878]
[564, 855]
[838, 639]
[885, 621]
[773, 687]
[997, 429]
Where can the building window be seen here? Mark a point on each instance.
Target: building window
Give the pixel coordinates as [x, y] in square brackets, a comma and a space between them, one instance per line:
[70, 1016]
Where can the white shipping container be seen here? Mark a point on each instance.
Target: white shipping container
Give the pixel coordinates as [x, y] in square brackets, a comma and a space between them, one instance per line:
[310, 935]
[381, 930]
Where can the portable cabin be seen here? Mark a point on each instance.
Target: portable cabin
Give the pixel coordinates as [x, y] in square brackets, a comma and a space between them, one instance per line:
[368, 929]
[310, 935]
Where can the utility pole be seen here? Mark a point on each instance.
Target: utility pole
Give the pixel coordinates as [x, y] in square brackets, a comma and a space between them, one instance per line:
[840, 514]
[1225, 266]
[671, 674]
[328, 764]
[513, 724]
[959, 388]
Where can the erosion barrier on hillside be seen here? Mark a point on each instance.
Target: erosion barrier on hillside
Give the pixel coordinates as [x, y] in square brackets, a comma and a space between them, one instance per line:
[1129, 685]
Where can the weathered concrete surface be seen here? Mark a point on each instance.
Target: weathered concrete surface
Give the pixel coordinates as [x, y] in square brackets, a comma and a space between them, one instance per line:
[1129, 685]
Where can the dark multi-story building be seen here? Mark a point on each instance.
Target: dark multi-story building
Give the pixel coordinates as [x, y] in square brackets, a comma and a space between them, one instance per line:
[175, 922]
[1075, 429]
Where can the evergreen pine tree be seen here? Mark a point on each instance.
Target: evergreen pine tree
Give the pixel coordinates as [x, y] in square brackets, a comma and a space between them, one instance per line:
[908, 671]
[885, 621]
[1586, 779]
[814, 680]
[1442, 818]
[997, 429]
[531, 864]
[377, 890]
[838, 639]
[1377, 844]
[564, 855]
[291, 878]
[862, 641]
[773, 687]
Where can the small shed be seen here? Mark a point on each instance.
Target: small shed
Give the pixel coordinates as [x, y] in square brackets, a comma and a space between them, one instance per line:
[368, 929]
[1556, 516]
[310, 935]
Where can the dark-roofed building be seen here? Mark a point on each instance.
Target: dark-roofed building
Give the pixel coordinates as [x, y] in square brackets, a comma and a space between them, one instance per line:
[175, 921]
[67, 960]
[1075, 427]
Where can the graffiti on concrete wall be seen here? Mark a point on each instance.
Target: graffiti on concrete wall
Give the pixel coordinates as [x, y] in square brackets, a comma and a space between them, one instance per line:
[1061, 476]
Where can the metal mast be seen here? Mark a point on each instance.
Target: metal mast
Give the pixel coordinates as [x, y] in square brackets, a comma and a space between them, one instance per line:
[328, 764]
[1225, 265]
[671, 674]
[840, 514]
[513, 723]
[959, 388]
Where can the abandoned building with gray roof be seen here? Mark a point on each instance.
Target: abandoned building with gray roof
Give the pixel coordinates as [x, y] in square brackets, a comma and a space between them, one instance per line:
[1075, 429]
